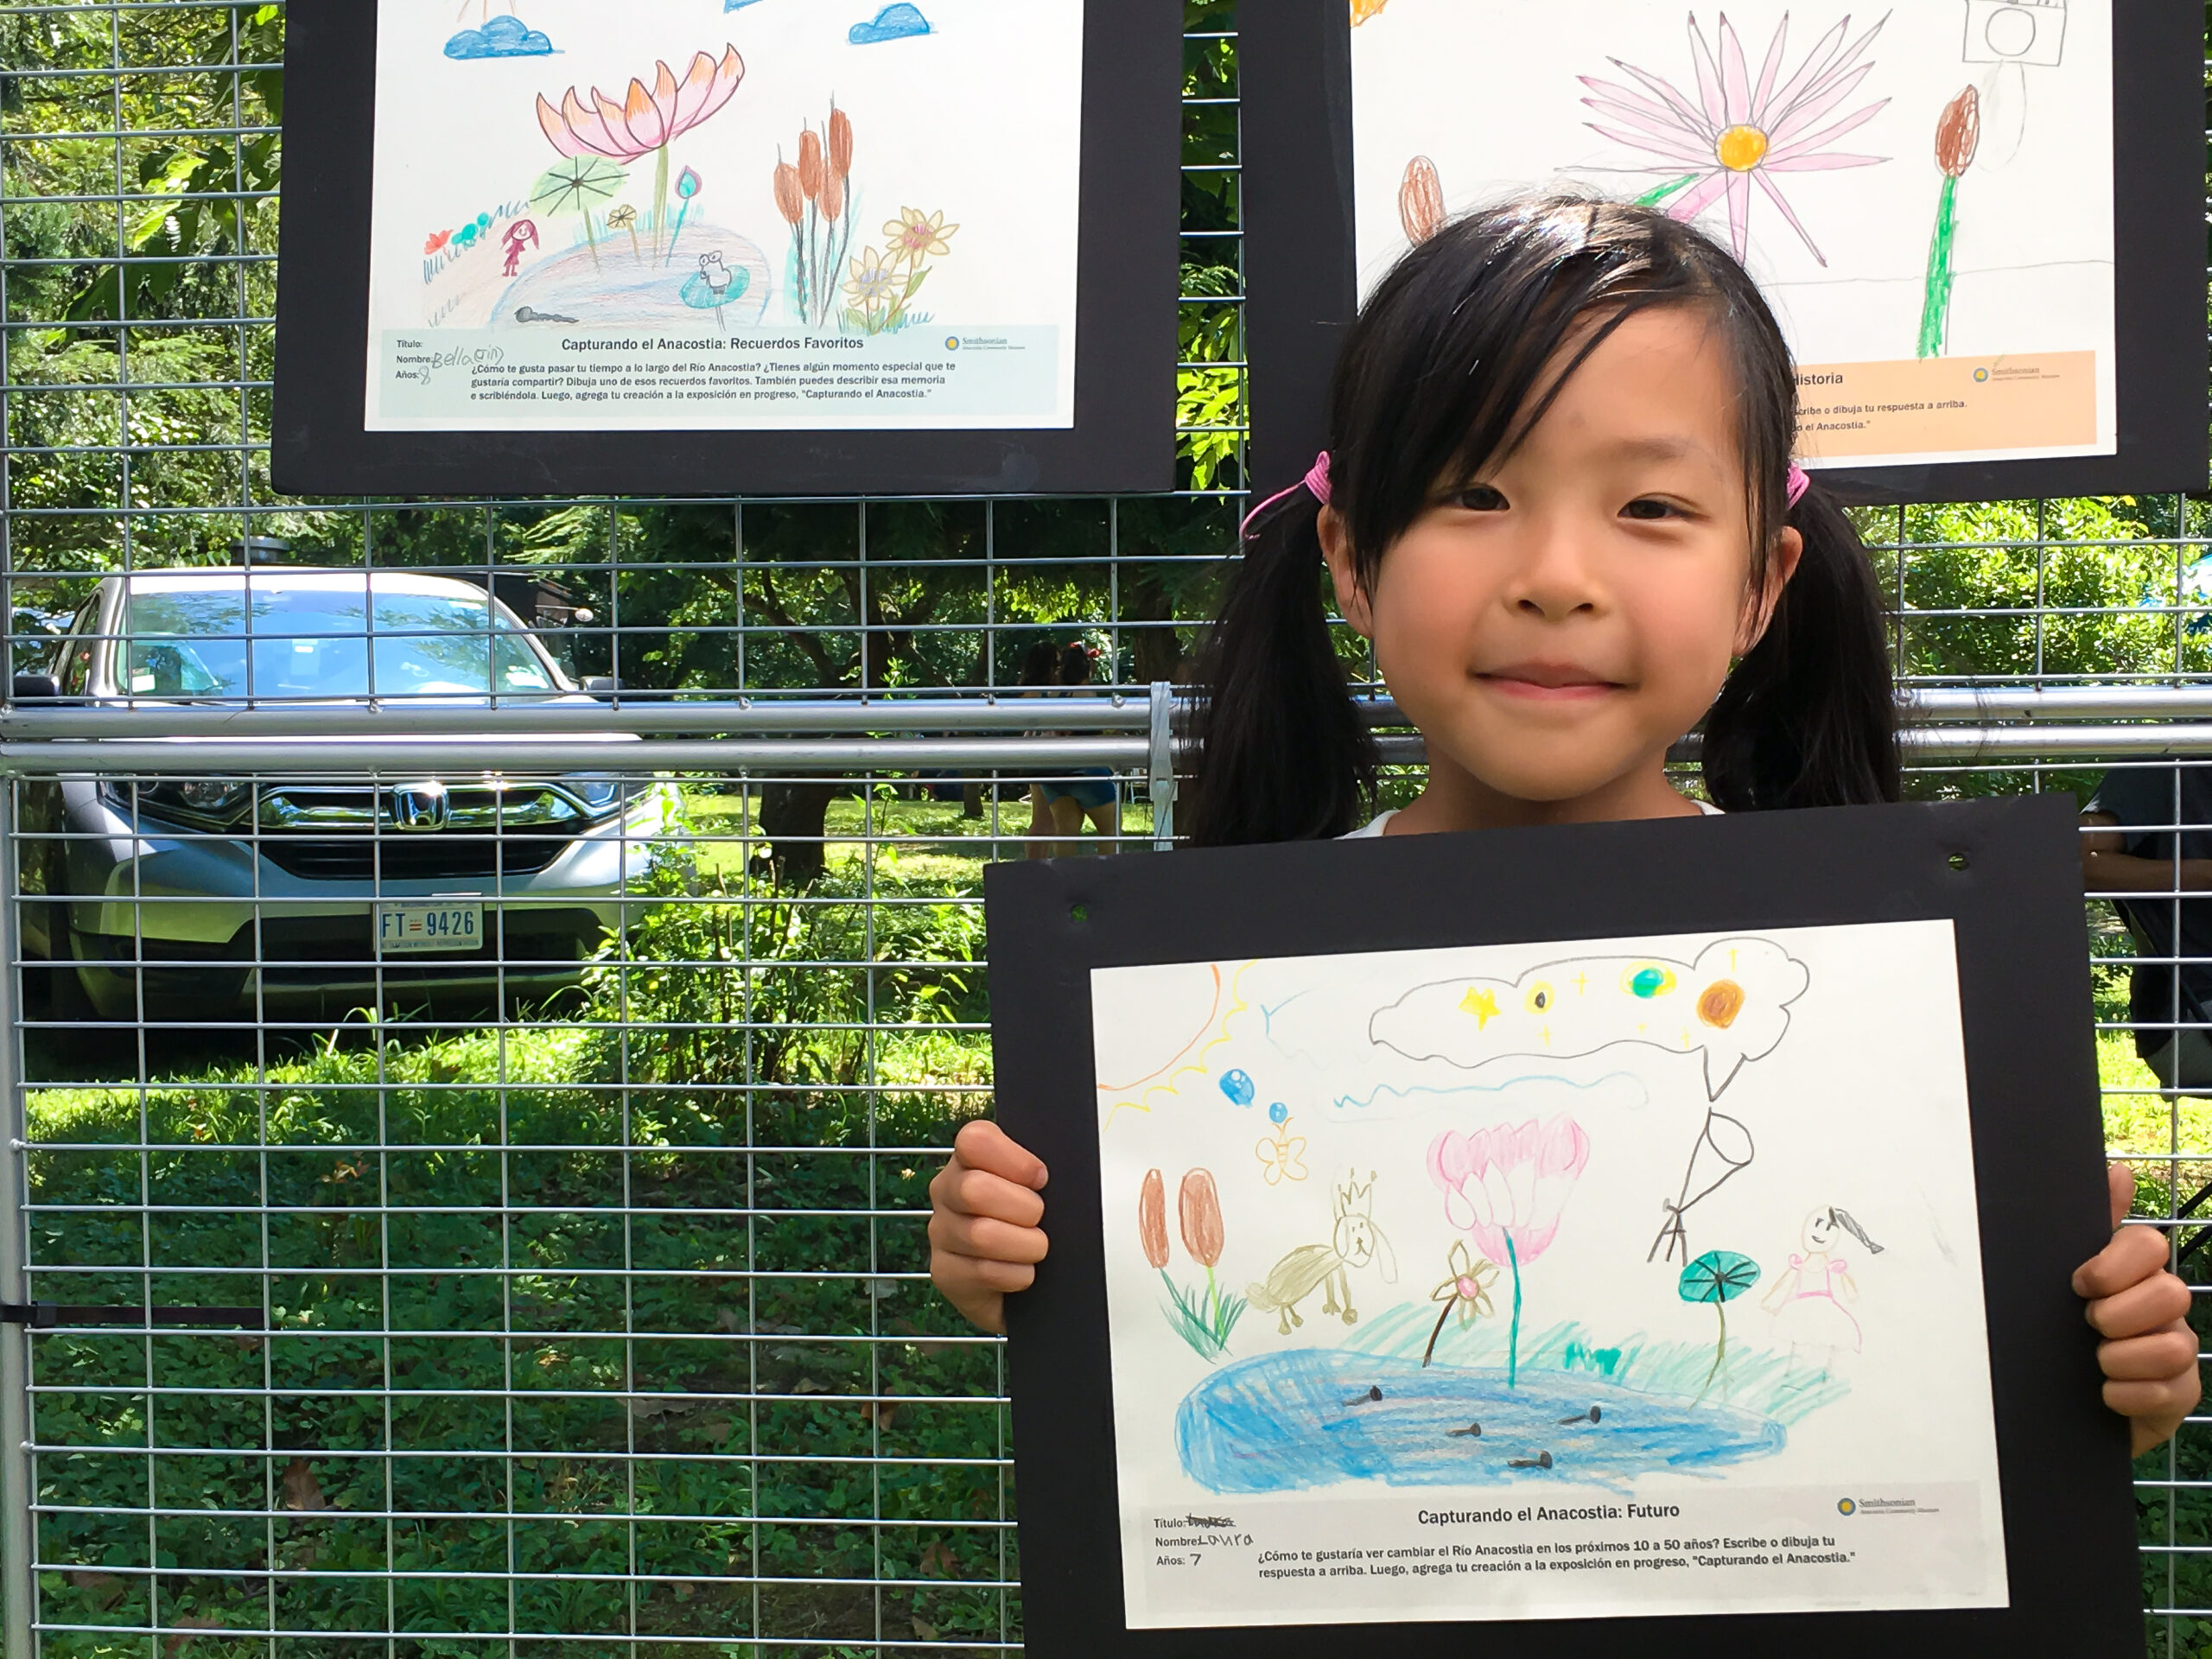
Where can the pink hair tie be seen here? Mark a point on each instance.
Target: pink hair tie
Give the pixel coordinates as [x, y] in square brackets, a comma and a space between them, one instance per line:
[1799, 483]
[1315, 483]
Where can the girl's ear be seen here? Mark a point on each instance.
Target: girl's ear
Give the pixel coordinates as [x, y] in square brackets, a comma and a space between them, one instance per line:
[1759, 607]
[1351, 595]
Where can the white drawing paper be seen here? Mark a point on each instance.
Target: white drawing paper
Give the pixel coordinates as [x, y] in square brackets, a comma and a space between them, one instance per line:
[1924, 193]
[1628, 1277]
[725, 214]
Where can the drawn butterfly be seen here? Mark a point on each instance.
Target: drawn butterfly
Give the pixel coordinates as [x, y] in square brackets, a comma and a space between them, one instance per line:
[1281, 1156]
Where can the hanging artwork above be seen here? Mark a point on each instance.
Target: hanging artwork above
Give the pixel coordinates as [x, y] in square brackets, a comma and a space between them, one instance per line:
[1973, 219]
[718, 246]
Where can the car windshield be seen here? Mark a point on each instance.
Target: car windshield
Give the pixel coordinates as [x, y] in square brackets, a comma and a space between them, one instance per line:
[305, 642]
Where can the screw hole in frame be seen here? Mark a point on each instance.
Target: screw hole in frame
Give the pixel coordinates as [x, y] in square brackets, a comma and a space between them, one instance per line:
[1079, 912]
[1957, 861]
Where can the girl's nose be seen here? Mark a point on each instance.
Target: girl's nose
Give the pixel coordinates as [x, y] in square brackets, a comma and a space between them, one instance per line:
[1553, 579]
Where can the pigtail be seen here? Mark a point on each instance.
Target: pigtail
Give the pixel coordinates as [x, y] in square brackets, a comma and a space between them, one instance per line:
[1280, 753]
[1809, 718]
[1843, 1218]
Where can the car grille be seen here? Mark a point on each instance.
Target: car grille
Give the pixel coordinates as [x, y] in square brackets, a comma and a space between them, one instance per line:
[417, 858]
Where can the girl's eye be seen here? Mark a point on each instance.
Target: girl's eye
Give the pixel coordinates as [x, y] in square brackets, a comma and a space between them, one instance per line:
[1478, 498]
[1647, 507]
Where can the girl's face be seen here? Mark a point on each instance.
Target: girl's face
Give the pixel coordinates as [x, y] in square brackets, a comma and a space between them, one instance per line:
[1553, 626]
[1820, 1232]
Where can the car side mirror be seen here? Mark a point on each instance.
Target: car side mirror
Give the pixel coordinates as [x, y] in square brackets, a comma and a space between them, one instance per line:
[32, 688]
[601, 685]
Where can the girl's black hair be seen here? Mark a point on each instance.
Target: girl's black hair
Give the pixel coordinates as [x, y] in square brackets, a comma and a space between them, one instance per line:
[1443, 372]
[1041, 664]
[1075, 665]
[1843, 1218]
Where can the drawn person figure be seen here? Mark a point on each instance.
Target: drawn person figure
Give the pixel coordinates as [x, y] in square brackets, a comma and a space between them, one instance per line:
[1810, 1297]
[1559, 501]
[523, 233]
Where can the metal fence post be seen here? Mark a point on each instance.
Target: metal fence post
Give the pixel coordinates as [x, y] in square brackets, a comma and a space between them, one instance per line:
[1161, 766]
[17, 1538]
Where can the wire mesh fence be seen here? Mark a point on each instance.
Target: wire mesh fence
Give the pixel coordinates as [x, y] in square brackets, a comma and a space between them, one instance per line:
[530, 1083]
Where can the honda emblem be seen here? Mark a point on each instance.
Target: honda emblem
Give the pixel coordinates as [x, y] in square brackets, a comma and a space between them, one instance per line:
[420, 808]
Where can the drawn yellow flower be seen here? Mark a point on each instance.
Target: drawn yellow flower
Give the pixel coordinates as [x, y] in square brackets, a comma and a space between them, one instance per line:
[1468, 1288]
[873, 283]
[917, 236]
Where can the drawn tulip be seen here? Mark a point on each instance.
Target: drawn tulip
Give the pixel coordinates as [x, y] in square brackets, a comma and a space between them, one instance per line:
[687, 185]
[1958, 135]
[1152, 1219]
[1420, 200]
[1505, 1187]
[645, 120]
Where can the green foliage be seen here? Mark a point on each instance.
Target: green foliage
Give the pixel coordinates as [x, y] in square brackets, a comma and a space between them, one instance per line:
[1202, 1319]
[1717, 1276]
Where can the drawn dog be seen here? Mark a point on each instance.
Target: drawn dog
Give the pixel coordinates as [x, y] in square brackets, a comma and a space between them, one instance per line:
[1354, 1242]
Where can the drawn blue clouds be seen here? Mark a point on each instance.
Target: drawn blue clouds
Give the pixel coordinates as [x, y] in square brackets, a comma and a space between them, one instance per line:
[738, 5]
[500, 37]
[894, 22]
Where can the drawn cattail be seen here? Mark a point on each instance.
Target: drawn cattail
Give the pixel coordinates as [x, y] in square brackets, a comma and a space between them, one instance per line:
[810, 163]
[841, 142]
[1152, 1218]
[1420, 200]
[1958, 132]
[1198, 1208]
[789, 202]
[833, 195]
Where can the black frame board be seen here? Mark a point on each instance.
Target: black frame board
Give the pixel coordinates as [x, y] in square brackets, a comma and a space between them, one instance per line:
[1295, 84]
[1122, 441]
[2005, 872]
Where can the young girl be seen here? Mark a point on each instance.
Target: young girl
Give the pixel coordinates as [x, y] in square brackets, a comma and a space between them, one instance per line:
[1559, 502]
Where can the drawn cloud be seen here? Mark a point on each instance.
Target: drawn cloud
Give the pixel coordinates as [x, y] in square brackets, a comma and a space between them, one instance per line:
[500, 37]
[1731, 1004]
[894, 22]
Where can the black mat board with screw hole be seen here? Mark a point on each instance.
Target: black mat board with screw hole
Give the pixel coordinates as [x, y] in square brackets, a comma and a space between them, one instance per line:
[2005, 872]
[1122, 441]
[1294, 81]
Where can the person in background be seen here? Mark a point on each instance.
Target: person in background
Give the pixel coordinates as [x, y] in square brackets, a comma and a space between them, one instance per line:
[1090, 794]
[2129, 831]
[1040, 667]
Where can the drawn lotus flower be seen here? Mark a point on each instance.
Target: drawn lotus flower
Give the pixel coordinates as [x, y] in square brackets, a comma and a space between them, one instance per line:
[1505, 1187]
[646, 118]
[917, 236]
[646, 121]
[1736, 133]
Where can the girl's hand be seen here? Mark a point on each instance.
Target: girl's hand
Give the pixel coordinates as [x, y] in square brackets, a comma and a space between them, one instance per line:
[2149, 1353]
[984, 1239]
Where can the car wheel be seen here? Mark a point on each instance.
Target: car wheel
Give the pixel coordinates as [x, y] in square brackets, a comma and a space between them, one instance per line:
[72, 1001]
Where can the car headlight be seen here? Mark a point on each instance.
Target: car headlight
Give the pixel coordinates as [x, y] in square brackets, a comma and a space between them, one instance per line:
[216, 802]
[599, 795]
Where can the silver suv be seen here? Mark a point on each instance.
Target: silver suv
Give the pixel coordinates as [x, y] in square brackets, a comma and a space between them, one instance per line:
[187, 896]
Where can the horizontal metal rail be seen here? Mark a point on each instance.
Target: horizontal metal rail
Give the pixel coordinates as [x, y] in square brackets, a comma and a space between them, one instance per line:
[975, 711]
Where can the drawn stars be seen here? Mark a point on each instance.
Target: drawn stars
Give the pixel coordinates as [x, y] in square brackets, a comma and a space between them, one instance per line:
[1581, 984]
[1480, 1003]
[1545, 1032]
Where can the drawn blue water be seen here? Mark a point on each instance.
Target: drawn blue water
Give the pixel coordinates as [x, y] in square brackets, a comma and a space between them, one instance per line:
[1280, 1422]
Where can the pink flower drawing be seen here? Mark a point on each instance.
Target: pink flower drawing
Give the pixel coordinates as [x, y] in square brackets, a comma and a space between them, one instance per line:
[1736, 132]
[1506, 1185]
[645, 119]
